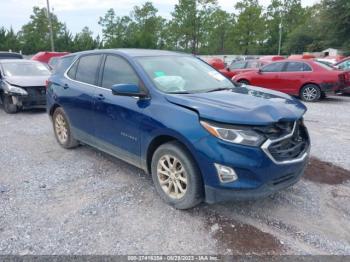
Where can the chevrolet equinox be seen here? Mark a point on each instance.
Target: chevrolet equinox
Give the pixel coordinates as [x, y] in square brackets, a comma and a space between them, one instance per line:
[200, 136]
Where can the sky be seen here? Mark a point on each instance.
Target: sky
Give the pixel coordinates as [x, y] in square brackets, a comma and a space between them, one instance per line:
[79, 13]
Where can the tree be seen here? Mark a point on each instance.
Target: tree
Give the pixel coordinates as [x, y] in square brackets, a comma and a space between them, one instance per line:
[335, 21]
[35, 35]
[148, 26]
[249, 32]
[189, 23]
[142, 29]
[84, 41]
[64, 41]
[218, 29]
[9, 40]
[290, 15]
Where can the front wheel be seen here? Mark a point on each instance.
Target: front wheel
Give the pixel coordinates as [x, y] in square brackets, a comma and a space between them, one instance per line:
[310, 93]
[8, 104]
[176, 177]
[62, 129]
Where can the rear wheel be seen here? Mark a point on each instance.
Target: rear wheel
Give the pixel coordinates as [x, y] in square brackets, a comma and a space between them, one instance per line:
[62, 129]
[243, 82]
[9, 107]
[310, 93]
[176, 177]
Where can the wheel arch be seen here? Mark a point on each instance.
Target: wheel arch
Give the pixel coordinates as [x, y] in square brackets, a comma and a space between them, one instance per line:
[243, 79]
[53, 108]
[161, 139]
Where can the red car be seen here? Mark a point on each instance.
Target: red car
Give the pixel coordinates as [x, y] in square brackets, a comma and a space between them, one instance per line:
[239, 67]
[44, 57]
[219, 65]
[305, 78]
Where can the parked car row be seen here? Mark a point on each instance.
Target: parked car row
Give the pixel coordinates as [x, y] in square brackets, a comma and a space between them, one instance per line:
[299, 75]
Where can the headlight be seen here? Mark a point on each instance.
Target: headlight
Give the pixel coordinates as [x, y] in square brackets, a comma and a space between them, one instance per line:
[16, 90]
[234, 134]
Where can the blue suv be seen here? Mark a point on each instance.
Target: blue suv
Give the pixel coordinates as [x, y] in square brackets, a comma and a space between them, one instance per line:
[201, 136]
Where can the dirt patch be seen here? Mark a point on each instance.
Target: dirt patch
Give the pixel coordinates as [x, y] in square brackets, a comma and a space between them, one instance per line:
[238, 238]
[326, 173]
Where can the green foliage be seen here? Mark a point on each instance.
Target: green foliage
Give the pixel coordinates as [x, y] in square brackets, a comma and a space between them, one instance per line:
[199, 27]
[142, 29]
[249, 32]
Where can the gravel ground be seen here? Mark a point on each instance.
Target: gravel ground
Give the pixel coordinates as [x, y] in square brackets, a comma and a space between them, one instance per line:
[56, 201]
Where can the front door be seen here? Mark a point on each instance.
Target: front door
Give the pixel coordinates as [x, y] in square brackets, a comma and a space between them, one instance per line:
[268, 76]
[118, 118]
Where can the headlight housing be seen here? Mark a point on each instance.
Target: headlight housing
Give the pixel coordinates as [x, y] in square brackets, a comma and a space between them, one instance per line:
[16, 90]
[234, 134]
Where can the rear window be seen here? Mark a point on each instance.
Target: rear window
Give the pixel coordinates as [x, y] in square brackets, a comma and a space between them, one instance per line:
[62, 64]
[85, 69]
[324, 65]
[297, 67]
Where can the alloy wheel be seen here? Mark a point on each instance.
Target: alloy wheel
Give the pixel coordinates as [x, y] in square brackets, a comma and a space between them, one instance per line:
[172, 176]
[61, 129]
[310, 93]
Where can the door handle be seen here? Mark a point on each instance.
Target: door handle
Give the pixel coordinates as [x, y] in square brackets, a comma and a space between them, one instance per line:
[100, 97]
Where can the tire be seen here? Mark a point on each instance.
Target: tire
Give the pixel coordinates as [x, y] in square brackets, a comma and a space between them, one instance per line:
[192, 190]
[244, 82]
[9, 107]
[310, 93]
[62, 129]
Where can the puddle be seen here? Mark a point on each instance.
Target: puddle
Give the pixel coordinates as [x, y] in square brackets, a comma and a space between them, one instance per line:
[238, 238]
[326, 173]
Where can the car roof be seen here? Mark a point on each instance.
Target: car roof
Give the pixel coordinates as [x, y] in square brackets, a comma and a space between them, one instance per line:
[134, 52]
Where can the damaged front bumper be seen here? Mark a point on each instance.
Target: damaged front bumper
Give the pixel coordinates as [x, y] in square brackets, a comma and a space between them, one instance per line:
[32, 97]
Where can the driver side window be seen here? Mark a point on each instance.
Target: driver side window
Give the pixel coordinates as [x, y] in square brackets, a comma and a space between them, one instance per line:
[118, 71]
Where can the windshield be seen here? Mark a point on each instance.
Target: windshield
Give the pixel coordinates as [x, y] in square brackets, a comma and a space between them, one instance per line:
[183, 74]
[25, 69]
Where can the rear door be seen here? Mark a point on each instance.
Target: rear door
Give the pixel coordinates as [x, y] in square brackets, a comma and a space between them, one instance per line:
[268, 76]
[77, 94]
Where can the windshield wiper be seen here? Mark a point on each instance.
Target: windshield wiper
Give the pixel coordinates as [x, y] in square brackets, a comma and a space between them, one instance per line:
[219, 89]
[179, 92]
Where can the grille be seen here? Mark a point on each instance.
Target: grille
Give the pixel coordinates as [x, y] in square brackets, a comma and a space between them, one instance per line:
[292, 147]
[36, 91]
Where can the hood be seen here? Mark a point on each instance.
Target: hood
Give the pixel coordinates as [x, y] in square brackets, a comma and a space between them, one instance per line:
[26, 81]
[244, 105]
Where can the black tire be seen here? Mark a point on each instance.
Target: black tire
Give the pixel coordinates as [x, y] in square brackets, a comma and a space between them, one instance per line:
[244, 82]
[194, 192]
[70, 141]
[310, 93]
[9, 107]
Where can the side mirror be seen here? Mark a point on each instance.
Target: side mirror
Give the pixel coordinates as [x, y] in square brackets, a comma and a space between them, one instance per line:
[127, 90]
[260, 71]
[228, 69]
